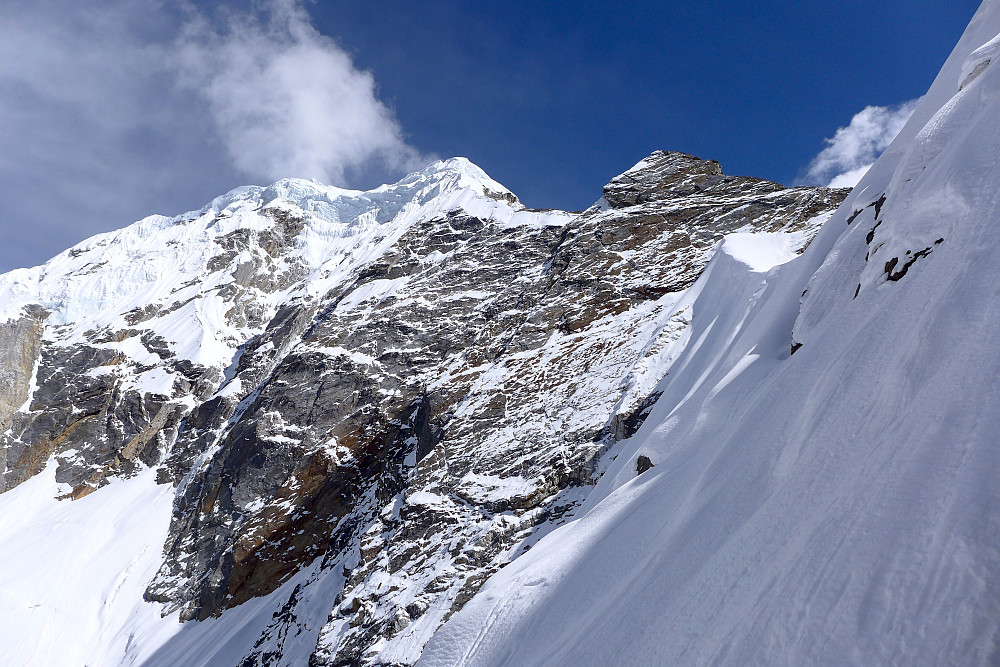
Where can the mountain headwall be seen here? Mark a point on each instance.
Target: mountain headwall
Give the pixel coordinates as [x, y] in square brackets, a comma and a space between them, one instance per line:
[363, 404]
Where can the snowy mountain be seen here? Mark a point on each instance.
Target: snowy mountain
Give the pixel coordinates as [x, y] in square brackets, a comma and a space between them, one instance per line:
[710, 419]
[325, 417]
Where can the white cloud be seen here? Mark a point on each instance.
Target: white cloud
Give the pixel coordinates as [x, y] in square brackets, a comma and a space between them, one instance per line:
[849, 179]
[114, 109]
[288, 101]
[853, 149]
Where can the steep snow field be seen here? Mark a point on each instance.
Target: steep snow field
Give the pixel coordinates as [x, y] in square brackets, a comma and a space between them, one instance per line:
[72, 574]
[838, 506]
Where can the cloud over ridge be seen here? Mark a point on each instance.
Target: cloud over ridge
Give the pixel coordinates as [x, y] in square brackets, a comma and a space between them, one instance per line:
[854, 148]
[115, 109]
[288, 101]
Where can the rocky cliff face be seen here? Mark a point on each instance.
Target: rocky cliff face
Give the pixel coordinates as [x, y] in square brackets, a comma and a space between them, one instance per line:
[367, 402]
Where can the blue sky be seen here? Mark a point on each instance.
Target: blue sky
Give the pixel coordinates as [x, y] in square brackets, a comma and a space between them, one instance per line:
[114, 109]
[553, 98]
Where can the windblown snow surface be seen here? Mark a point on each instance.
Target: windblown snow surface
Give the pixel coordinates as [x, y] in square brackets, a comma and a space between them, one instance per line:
[838, 506]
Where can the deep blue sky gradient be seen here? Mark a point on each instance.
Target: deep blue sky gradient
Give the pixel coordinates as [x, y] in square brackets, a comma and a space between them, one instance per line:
[554, 98]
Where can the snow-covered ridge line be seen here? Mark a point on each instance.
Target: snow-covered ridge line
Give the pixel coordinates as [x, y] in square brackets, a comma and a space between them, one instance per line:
[183, 264]
[229, 212]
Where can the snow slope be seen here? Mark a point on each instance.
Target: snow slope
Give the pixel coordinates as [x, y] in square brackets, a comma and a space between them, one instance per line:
[837, 506]
[72, 574]
[72, 577]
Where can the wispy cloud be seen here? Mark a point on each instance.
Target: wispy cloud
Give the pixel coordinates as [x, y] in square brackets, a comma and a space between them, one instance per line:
[853, 149]
[114, 109]
[286, 100]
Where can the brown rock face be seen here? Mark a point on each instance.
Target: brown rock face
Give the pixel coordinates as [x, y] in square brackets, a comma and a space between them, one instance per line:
[663, 175]
[431, 429]
[20, 347]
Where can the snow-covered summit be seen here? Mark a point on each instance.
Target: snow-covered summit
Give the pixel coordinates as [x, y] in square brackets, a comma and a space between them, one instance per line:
[341, 204]
[313, 235]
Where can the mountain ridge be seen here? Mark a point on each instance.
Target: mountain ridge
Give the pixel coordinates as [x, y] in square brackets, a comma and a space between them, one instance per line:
[334, 382]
